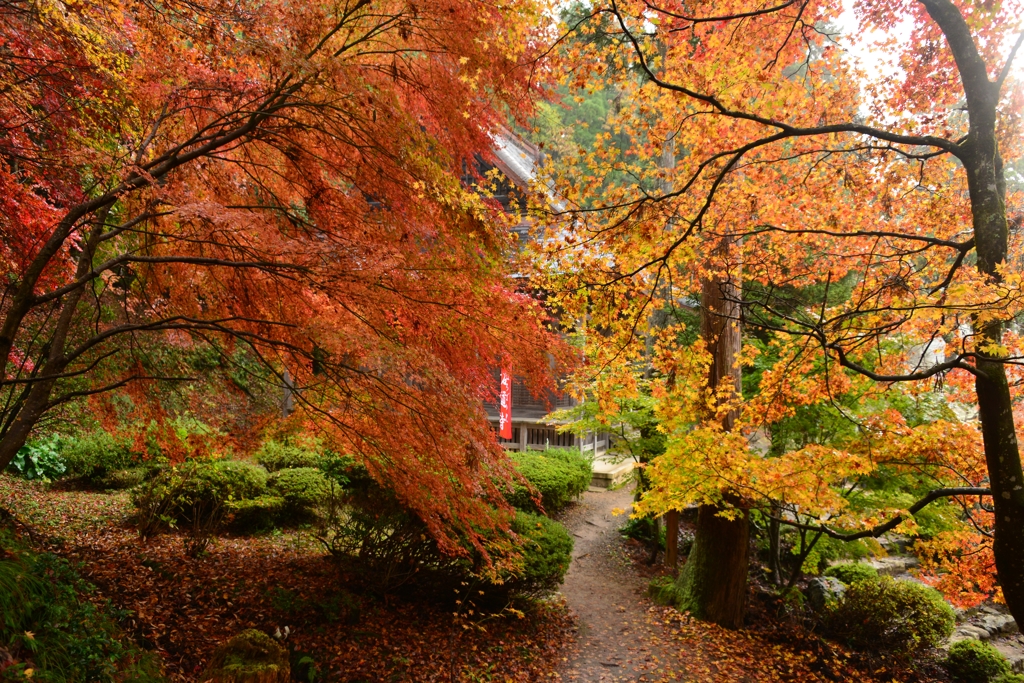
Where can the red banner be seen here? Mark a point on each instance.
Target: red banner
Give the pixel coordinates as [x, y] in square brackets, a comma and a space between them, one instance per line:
[505, 412]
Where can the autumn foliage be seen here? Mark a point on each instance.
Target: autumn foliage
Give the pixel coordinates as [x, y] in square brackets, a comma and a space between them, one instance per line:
[866, 216]
[292, 179]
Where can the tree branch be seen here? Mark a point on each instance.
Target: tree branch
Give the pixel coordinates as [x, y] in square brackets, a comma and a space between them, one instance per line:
[885, 527]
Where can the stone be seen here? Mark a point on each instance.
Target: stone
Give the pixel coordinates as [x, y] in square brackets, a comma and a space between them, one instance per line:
[997, 623]
[1014, 653]
[965, 631]
[822, 590]
[893, 565]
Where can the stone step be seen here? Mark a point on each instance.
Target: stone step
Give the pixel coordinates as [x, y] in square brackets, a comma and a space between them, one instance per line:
[609, 473]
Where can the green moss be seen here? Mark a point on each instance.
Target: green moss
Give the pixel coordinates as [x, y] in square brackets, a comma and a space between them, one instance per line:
[250, 657]
[851, 572]
[662, 590]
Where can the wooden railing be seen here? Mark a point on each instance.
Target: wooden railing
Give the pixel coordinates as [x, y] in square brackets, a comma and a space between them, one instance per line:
[534, 437]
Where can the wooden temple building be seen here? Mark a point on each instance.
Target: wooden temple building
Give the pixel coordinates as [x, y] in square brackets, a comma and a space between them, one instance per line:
[531, 427]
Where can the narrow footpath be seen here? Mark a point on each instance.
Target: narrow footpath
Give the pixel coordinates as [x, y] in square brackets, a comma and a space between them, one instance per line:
[616, 642]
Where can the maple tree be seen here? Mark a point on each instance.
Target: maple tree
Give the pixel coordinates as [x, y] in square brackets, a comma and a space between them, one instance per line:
[867, 220]
[285, 178]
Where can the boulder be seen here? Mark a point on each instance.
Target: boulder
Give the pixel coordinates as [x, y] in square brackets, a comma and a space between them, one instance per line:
[250, 657]
[998, 623]
[822, 590]
[969, 631]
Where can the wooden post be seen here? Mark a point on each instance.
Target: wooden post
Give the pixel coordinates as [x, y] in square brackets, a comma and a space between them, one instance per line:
[672, 539]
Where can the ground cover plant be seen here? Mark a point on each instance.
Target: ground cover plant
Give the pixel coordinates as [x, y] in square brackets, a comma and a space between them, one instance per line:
[181, 608]
[52, 628]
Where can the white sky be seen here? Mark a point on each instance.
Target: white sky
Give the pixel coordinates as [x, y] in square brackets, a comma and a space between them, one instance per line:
[874, 62]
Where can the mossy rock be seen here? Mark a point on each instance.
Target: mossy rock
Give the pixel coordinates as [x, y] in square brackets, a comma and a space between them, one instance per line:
[123, 479]
[250, 657]
[662, 590]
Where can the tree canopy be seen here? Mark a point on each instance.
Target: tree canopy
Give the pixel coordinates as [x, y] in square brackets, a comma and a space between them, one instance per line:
[288, 178]
[865, 221]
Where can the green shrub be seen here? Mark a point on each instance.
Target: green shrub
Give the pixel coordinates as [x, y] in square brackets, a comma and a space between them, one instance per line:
[584, 464]
[255, 514]
[276, 455]
[93, 456]
[645, 530]
[851, 572]
[46, 617]
[557, 479]
[39, 459]
[196, 495]
[125, 479]
[972, 661]
[546, 546]
[366, 528]
[302, 488]
[885, 614]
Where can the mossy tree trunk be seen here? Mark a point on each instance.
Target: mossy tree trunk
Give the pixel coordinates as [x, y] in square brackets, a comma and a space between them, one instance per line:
[713, 583]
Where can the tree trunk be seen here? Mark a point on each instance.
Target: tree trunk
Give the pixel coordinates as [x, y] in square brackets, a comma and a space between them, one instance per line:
[775, 545]
[672, 539]
[979, 153]
[713, 583]
[995, 406]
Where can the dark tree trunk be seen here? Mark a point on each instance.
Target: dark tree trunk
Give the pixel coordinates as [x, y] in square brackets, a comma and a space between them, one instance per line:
[672, 539]
[979, 153]
[713, 583]
[775, 545]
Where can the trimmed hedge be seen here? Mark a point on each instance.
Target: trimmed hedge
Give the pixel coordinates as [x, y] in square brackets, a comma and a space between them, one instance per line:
[851, 572]
[255, 514]
[887, 614]
[301, 488]
[276, 455]
[558, 475]
[99, 458]
[199, 489]
[547, 550]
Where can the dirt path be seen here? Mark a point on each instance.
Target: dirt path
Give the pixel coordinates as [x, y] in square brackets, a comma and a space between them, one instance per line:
[616, 643]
